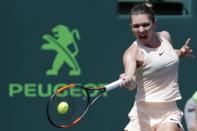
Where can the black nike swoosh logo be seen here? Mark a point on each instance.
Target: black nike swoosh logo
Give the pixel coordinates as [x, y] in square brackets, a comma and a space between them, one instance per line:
[173, 119]
[161, 53]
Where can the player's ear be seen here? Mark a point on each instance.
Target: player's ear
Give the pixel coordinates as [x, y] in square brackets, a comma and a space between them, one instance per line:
[155, 23]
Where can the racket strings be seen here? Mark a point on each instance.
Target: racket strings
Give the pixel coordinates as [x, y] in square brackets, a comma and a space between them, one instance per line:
[77, 106]
[78, 103]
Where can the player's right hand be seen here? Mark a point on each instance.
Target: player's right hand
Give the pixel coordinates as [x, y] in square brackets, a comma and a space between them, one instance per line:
[128, 81]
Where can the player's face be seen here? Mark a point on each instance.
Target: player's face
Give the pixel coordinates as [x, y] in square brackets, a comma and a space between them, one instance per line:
[142, 27]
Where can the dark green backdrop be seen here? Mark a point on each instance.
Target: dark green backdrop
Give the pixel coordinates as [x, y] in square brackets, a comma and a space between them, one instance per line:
[104, 37]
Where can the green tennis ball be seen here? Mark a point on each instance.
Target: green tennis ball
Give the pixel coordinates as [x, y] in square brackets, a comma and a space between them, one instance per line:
[194, 96]
[62, 107]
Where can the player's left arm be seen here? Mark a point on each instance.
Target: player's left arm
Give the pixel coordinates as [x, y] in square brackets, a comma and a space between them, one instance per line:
[184, 51]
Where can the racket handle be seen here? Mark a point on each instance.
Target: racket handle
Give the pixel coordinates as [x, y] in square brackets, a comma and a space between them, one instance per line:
[113, 85]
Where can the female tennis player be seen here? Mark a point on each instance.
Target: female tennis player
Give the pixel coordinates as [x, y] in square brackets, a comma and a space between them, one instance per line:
[151, 63]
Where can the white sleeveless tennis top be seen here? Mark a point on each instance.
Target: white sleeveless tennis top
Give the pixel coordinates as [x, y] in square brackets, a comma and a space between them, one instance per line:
[157, 78]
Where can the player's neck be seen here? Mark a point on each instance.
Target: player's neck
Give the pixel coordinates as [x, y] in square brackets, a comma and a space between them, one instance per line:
[154, 42]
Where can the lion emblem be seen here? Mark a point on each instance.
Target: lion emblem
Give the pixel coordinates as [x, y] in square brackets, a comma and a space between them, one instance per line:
[60, 43]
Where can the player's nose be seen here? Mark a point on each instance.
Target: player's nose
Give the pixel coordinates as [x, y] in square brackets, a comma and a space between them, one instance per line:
[141, 29]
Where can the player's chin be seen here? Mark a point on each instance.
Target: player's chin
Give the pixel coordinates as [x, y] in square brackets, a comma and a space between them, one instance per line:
[142, 39]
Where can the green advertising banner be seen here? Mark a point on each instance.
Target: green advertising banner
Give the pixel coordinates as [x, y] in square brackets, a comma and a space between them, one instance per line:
[46, 44]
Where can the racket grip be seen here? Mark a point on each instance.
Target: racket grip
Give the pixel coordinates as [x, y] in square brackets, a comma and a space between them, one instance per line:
[113, 85]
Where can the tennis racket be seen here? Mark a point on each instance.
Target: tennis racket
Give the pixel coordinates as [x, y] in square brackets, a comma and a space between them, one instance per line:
[77, 107]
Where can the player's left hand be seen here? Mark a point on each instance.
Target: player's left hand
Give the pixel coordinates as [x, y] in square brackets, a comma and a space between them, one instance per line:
[186, 51]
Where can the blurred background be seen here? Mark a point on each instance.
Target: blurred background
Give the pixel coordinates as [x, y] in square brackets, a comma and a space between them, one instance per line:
[96, 33]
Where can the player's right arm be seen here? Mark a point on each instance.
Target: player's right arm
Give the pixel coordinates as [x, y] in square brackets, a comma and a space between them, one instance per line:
[129, 61]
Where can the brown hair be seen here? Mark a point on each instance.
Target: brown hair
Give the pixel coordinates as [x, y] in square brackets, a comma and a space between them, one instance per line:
[143, 8]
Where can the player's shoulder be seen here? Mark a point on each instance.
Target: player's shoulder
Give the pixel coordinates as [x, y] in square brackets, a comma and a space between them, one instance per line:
[166, 35]
[133, 46]
[132, 49]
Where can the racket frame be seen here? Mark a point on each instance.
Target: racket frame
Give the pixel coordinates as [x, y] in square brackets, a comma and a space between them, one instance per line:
[90, 101]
